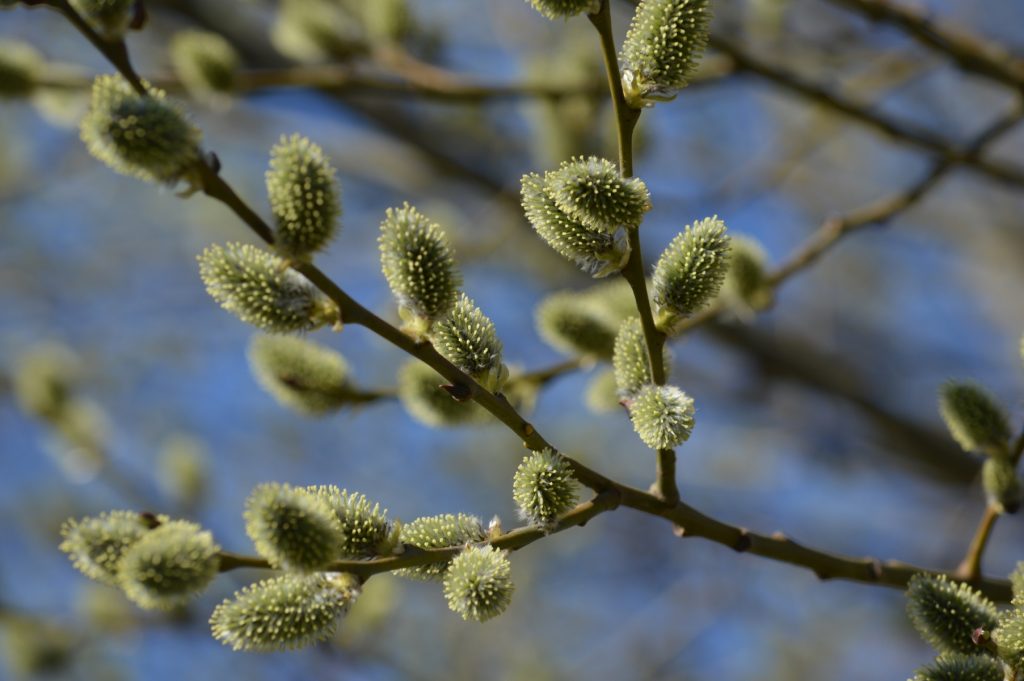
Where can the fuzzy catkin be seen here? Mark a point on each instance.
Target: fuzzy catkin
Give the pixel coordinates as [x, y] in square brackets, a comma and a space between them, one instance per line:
[663, 416]
[1001, 484]
[417, 260]
[144, 136]
[435, 532]
[284, 613]
[365, 529]
[975, 420]
[466, 337]
[420, 391]
[96, 544]
[690, 271]
[591, 191]
[560, 9]
[109, 18]
[662, 48]
[544, 487]
[168, 565]
[946, 613]
[594, 251]
[961, 667]
[20, 66]
[631, 361]
[205, 62]
[300, 374]
[293, 528]
[305, 197]
[478, 583]
[256, 287]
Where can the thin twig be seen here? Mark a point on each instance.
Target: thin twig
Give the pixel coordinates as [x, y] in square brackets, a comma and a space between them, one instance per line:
[980, 55]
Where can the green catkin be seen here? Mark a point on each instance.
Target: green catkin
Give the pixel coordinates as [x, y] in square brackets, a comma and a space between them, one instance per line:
[96, 544]
[662, 48]
[256, 287]
[560, 9]
[478, 583]
[168, 565]
[144, 136]
[690, 272]
[662, 416]
[439, 531]
[420, 391]
[975, 420]
[387, 21]
[946, 613]
[183, 469]
[305, 197]
[419, 266]
[1009, 637]
[1001, 484]
[42, 380]
[591, 191]
[602, 394]
[595, 252]
[466, 338]
[961, 667]
[544, 488]
[1017, 583]
[746, 282]
[205, 63]
[573, 323]
[20, 67]
[630, 360]
[284, 613]
[109, 18]
[366, 531]
[293, 528]
[300, 374]
[312, 31]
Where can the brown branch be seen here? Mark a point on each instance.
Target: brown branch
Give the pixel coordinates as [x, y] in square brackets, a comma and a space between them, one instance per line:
[976, 54]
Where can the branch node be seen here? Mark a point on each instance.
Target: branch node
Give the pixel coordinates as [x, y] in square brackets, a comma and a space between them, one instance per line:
[460, 392]
[743, 541]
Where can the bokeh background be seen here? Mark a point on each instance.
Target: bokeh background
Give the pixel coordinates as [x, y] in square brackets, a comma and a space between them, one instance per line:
[817, 417]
